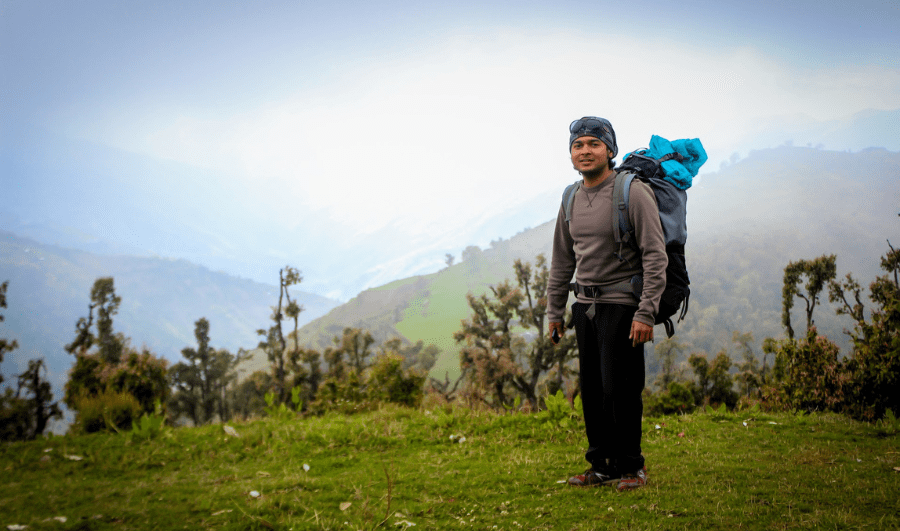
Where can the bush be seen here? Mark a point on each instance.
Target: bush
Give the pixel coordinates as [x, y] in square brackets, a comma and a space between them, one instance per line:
[814, 379]
[143, 376]
[84, 379]
[249, 396]
[149, 426]
[388, 382]
[15, 417]
[676, 399]
[107, 411]
[714, 383]
[874, 369]
[345, 395]
[24, 414]
[140, 376]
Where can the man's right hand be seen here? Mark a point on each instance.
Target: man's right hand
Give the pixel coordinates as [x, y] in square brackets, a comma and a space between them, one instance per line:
[560, 330]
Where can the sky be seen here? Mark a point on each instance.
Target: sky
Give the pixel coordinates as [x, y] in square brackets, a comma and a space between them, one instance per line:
[412, 127]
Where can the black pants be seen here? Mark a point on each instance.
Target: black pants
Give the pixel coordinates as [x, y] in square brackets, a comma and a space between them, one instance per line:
[612, 379]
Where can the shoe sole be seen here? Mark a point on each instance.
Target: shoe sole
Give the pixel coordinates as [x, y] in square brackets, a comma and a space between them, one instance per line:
[631, 486]
[600, 484]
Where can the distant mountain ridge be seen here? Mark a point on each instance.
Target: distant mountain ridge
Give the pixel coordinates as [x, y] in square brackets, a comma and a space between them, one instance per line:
[49, 289]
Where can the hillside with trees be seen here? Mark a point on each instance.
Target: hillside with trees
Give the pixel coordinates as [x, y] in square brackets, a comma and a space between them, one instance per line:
[481, 318]
[49, 288]
[746, 222]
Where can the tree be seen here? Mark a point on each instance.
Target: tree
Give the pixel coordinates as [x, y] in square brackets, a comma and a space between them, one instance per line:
[347, 360]
[305, 367]
[667, 352]
[542, 355]
[750, 375]
[249, 395]
[714, 383]
[818, 273]
[40, 402]
[106, 303]
[417, 356]
[201, 382]
[25, 413]
[808, 374]
[85, 378]
[6, 345]
[449, 259]
[813, 378]
[388, 381]
[874, 368]
[487, 357]
[471, 257]
[446, 389]
[274, 343]
[499, 365]
[355, 344]
[109, 375]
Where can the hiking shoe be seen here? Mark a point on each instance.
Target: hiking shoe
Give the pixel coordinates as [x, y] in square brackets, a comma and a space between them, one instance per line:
[593, 478]
[633, 480]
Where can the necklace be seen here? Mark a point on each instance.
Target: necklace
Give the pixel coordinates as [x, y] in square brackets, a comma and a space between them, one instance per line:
[590, 197]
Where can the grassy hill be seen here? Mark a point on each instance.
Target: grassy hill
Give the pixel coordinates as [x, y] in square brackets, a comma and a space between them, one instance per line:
[457, 468]
[429, 308]
[746, 222]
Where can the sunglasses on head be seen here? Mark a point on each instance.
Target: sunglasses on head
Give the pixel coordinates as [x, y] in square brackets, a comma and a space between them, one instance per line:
[588, 124]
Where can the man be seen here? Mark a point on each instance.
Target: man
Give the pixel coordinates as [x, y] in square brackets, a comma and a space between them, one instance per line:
[611, 323]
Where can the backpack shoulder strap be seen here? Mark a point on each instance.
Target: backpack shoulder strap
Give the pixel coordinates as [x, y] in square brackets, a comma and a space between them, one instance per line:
[568, 199]
[621, 223]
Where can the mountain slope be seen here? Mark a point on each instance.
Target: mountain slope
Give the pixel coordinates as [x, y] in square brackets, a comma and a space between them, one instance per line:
[746, 222]
[49, 289]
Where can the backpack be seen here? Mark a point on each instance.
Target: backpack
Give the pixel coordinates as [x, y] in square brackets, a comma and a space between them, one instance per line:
[668, 175]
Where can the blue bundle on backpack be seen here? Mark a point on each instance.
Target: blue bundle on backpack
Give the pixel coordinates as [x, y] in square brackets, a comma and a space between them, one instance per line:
[680, 170]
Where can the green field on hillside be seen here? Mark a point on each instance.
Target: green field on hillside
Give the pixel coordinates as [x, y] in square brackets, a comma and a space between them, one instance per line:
[434, 318]
[457, 469]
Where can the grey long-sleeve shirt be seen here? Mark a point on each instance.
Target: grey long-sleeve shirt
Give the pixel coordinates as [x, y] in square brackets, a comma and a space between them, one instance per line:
[586, 247]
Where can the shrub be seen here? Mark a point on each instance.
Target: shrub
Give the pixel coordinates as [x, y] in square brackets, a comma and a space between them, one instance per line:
[346, 395]
[249, 395]
[714, 383]
[149, 426]
[560, 412]
[874, 369]
[144, 376]
[107, 411]
[388, 382]
[677, 398]
[84, 379]
[141, 376]
[15, 417]
[814, 379]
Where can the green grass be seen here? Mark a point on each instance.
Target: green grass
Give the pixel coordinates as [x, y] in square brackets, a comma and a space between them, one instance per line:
[397, 466]
[436, 316]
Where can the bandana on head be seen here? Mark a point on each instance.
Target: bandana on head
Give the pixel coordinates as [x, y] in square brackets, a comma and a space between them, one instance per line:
[597, 128]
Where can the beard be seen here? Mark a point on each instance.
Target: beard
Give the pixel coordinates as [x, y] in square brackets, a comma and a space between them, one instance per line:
[595, 172]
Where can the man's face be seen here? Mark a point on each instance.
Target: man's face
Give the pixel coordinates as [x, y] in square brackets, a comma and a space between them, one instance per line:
[589, 155]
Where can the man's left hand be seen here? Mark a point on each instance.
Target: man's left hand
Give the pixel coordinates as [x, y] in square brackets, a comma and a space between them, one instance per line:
[640, 333]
